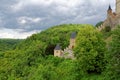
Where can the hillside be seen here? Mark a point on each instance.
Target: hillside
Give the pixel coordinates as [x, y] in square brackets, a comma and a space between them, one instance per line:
[8, 44]
[51, 37]
[32, 58]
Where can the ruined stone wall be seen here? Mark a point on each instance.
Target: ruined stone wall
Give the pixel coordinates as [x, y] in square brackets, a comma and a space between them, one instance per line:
[117, 6]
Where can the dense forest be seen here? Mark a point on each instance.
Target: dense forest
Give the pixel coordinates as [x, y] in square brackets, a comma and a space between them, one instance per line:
[97, 55]
[8, 44]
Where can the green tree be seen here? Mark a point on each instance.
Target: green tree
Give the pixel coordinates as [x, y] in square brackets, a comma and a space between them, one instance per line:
[99, 24]
[90, 50]
[113, 71]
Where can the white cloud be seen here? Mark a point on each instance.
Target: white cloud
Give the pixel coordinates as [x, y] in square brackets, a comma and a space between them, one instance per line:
[24, 20]
[36, 20]
[21, 4]
[65, 7]
[17, 7]
[15, 33]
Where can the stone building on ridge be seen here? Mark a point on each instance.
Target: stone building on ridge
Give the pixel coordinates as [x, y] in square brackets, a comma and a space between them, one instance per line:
[57, 51]
[113, 18]
[67, 52]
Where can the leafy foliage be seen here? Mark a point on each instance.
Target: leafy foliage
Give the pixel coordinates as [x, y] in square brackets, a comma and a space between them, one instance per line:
[113, 70]
[90, 50]
[8, 44]
[32, 58]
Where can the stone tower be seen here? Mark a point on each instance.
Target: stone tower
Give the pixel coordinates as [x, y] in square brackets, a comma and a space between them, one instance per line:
[58, 51]
[109, 11]
[72, 40]
[110, 17]
[117, 6]
[113, 18]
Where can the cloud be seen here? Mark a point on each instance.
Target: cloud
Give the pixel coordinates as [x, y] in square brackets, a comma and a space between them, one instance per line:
[21, 4]
[31, 15]
[64, 11]
[0, 21]
[25, 20]
[15, 33]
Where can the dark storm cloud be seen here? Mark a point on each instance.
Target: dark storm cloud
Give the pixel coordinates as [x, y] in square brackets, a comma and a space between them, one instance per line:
[32, 15]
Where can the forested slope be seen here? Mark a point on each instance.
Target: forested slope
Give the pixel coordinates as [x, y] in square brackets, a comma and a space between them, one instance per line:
[32, 58]
[8, 44]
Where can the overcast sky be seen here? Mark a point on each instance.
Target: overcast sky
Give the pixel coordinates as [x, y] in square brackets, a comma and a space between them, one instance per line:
[21, 18]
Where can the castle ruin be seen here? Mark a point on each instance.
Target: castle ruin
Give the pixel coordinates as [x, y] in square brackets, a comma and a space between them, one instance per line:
[113, 18]
[67, 52]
